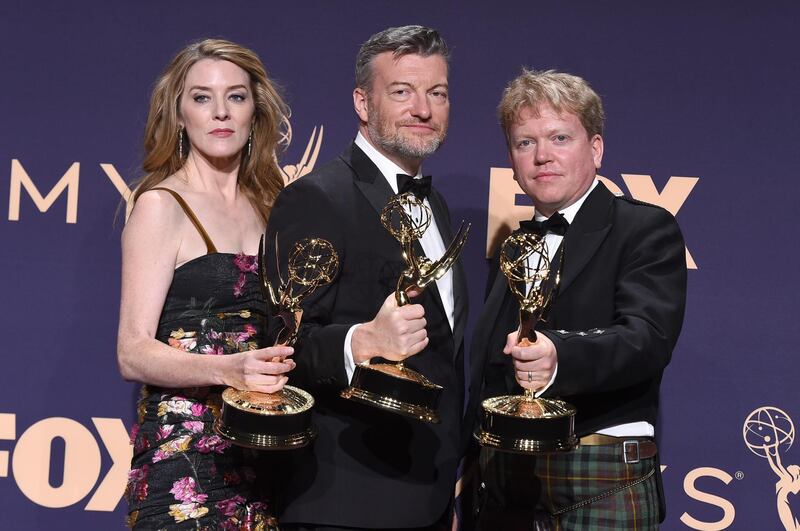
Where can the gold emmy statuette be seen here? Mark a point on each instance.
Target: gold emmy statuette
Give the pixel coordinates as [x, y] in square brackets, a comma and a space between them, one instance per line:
[393, 386]
[523, 423]
[282, 420]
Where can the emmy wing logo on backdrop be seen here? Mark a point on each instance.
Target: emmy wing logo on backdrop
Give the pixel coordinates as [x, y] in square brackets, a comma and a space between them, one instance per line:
[292, 172]
[767, 432]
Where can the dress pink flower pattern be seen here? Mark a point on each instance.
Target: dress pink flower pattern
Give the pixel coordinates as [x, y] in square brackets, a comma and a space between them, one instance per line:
[183, 475]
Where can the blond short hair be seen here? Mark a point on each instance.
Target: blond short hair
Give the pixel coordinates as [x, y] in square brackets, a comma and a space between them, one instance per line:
[563, 92]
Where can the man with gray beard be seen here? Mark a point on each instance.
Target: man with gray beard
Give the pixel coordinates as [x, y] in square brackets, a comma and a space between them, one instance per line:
[369, 468]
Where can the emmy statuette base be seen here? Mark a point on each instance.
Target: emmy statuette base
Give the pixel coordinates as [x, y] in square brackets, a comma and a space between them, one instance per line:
[527, 425]
[278, 421]
[258, 441]
[396, 389]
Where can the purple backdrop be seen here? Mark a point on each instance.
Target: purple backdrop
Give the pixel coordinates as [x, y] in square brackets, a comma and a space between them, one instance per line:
[706, 90]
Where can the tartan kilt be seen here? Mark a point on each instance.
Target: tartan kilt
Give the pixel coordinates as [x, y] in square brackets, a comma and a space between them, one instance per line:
[587, 489]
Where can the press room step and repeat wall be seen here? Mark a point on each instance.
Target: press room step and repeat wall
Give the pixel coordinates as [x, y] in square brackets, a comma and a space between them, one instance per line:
[702, 106]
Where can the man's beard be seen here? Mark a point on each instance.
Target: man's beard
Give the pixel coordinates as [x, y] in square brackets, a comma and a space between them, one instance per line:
[400, 145]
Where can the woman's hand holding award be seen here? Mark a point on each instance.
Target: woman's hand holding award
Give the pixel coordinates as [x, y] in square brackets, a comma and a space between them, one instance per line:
[282, 420]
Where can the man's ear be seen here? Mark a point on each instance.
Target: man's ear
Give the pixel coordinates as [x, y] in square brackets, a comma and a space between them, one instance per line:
[597, 150]
[361, 104]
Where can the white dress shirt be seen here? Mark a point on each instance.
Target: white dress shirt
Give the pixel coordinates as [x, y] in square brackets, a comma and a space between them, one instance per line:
[431, 242]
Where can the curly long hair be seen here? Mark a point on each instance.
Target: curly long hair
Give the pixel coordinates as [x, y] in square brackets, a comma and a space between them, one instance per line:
[260, 177]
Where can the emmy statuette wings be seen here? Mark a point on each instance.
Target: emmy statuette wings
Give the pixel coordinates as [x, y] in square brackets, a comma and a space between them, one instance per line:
[292, 172]
[393, 386]
[523, 423]
[282, 420]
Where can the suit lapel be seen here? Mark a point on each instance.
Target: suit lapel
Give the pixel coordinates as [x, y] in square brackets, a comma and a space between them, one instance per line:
[498, 293]
[586, 233]
[371, 182]
[498, 317]
[459, 278]
[445, 231]
[368, 178]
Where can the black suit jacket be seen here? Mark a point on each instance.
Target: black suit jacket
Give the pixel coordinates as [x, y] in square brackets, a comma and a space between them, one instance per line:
[615, 319]
[367, 468]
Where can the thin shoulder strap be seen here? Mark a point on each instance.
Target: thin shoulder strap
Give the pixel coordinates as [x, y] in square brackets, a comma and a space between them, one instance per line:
[210, 248]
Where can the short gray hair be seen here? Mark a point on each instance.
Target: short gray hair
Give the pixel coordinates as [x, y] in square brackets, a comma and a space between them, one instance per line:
[401, 41]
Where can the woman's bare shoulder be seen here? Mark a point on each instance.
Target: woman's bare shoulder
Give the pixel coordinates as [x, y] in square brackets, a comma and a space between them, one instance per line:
[156, 211]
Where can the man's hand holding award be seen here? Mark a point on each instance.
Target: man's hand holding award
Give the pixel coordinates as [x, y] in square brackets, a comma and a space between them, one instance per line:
[393, 386]
[524, 423]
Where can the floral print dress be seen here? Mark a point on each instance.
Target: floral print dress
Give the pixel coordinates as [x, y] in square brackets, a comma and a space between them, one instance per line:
[183, 475]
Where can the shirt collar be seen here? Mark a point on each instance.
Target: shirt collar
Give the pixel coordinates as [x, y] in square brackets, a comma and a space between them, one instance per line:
[571, 211]
[388, 169]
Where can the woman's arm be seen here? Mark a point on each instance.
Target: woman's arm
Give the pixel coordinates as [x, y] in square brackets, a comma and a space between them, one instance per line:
[150, 243]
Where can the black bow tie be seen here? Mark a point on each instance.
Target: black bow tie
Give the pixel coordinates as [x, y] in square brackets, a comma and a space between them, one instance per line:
[419, 187]
[557, 224]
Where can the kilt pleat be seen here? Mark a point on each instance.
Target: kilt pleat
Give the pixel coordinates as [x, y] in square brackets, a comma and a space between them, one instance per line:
[588, 489]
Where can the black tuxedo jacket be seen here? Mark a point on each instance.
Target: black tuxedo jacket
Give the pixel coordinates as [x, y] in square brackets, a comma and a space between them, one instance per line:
[367, 468]
[615, 318]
